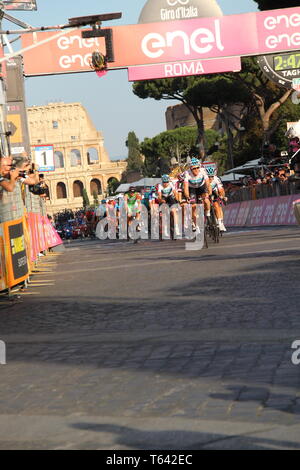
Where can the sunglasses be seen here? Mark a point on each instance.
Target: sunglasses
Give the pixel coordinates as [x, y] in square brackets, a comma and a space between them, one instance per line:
[195, 167]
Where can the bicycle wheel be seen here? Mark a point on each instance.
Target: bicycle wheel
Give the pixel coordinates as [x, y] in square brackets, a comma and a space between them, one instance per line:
[215, 227]
[205, 237]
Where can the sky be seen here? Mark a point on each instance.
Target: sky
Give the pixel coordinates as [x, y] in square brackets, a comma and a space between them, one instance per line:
[110, 102]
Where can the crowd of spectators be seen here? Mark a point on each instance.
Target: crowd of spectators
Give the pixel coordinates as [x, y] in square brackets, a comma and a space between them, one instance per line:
[80, 223]
[275, 169]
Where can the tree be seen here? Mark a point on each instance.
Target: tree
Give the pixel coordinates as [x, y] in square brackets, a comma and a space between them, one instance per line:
[178, 144]
[112, 186]
[95, 197]
[134, 160]
[267, 97]
[162, 148]
[86, 201]
[212, 91]
[171, 89]
[275, 4]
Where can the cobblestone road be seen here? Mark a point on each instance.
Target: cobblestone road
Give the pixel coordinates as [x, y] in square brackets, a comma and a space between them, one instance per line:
[149, 346]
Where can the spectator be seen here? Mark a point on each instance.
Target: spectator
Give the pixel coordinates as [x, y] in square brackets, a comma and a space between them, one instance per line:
[270, 154]
[8, 176]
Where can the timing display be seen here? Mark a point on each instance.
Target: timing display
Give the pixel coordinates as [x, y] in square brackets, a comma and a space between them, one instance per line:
[281, 69]
[286, 62]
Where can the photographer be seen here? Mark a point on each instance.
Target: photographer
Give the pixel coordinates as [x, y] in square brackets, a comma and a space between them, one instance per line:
[8, 176]
[27, 172]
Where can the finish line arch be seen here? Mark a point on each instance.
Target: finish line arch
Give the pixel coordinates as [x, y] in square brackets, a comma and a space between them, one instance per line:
[152, 44]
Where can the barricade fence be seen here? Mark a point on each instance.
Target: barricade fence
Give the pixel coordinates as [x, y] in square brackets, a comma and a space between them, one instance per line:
[262, 191]
[262, 212]
[25, 232]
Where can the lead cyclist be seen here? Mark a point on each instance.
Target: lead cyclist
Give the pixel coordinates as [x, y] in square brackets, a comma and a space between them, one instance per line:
[196, 186]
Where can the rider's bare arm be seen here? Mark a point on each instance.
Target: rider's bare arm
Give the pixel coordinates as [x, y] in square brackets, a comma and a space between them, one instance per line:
[222, 192]
[186, 190]
[208, 185]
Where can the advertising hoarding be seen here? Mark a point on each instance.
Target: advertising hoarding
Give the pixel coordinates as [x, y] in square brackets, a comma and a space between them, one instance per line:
[16, 114]
[184, 69]
[24, 5]
[259, 33]
[15, 252]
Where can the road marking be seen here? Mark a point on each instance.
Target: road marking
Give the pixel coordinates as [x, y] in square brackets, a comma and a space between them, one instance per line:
[30, 293]
[160, 262]
[37, 284]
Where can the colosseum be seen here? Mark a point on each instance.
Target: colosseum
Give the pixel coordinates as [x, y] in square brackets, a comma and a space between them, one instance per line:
[80, 159]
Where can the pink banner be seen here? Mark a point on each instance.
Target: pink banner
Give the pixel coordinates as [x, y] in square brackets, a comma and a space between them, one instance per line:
[184, 69]
[158, 43]
[41, 233]
[32, 225]
[256, 212]
[231, 213]
[243, 213]
[51, 236]
[296, 205]
[262, 212]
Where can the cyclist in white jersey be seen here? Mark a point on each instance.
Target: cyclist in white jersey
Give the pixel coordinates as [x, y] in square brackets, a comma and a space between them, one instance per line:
[218, 192]
[167, 194]
[196, 186]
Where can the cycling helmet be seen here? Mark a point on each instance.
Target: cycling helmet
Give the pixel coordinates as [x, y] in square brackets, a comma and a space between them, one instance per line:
[210, 170]
[194, 162]
[165, 178]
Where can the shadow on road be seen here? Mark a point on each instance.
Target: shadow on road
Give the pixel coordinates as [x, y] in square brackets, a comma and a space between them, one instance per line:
[221, 326]
[184, 440]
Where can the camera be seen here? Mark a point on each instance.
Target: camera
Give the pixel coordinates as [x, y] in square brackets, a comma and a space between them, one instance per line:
[37, 189]
[22, 174]
[18, 162]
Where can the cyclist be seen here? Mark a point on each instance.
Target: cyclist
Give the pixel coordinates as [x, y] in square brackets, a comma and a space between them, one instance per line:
[167, 194]
[148, 197]
[218, 193]
[132, 200]
[179, 186]
[196, 186]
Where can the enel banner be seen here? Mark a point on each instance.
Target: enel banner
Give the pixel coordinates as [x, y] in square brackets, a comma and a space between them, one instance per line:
[248, 34]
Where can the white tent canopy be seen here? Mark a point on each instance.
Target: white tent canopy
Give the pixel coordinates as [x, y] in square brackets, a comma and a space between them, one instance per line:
[143, 183]
[231, 177]
[247, 166]
[123, 188]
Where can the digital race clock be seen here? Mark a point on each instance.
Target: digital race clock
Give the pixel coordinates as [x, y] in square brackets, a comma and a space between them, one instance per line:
[281, 68]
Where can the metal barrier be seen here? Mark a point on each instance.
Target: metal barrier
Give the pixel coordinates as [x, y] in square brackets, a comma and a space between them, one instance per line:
[262, 191]
[25, 231]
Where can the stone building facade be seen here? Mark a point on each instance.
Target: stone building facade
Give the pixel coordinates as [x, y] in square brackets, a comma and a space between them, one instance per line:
[80, 158]
[180, 116]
